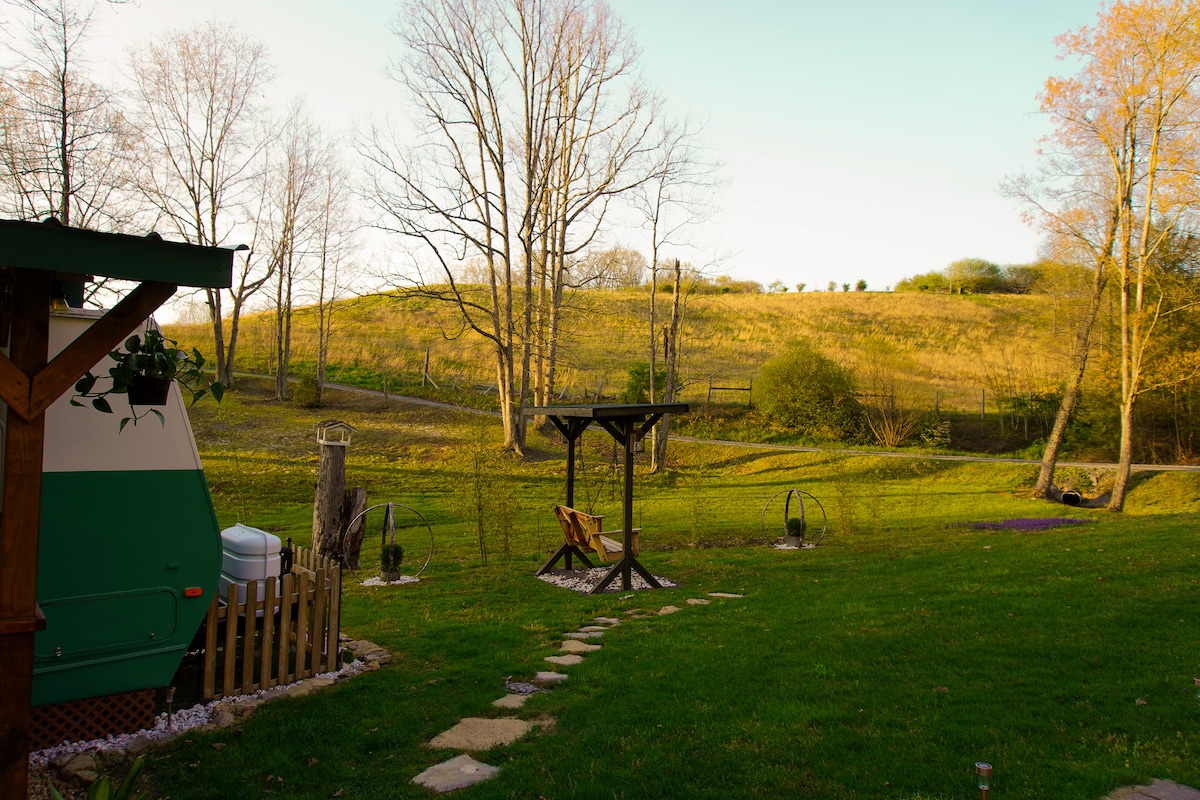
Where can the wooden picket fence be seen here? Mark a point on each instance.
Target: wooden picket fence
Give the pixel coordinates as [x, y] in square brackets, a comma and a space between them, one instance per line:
[292, 633]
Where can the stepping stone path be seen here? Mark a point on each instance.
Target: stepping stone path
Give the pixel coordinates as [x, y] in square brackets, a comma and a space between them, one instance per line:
[478, 733]
[1159, 790]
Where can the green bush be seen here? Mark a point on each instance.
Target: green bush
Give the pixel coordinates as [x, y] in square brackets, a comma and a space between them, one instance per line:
[807, 393]
[306, 394]
[637, 387]
[391, 557]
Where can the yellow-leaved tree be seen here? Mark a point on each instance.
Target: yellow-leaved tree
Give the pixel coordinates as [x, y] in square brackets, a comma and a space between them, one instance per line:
[1117, 181]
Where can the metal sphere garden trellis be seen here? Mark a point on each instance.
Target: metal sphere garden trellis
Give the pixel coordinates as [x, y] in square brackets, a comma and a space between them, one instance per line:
[793, 509]
[389, 527]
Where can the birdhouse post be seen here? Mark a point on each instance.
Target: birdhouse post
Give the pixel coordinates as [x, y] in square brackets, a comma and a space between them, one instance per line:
[333, 439]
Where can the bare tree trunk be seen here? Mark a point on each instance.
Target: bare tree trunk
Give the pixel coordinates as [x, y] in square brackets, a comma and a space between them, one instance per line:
[213, 297]
[1124, 457]
[1074, 387]
[659, 459]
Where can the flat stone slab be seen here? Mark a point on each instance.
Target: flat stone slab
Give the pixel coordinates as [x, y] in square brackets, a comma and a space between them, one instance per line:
[593, 629]
[565, 661]
[573, 646]
[609, 621]
[476, 733]
[698, 601]
[662, 612]
[724, 594]
[511, 701]
[550, 677]
[1159, 790]
[585, 634]
[457, 773]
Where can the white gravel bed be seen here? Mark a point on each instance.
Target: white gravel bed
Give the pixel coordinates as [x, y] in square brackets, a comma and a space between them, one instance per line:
[183, 719]
[584, 580]
[378, 581]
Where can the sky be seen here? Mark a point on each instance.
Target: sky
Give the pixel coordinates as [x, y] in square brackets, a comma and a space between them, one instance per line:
[859, 140]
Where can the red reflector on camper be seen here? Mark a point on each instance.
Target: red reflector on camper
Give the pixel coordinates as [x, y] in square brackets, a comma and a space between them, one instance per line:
[193, 591]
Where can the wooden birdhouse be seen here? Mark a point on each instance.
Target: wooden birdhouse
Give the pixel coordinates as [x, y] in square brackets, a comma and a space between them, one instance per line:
[334, 433]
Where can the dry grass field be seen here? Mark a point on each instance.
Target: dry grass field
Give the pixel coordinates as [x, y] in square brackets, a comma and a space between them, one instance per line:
[953, 346]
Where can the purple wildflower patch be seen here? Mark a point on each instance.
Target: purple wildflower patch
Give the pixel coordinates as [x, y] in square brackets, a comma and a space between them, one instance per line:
[1037, 524]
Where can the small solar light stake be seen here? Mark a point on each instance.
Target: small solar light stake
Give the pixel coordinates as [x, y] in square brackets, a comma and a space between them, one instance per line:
[170, 705]
[984, 771]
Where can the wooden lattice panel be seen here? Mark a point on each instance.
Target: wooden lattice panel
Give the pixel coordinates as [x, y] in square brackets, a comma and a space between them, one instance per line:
[95, 718]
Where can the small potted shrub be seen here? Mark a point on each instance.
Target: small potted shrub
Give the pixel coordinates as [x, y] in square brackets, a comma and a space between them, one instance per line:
[143, 372]
[389, 562]
[793, 534]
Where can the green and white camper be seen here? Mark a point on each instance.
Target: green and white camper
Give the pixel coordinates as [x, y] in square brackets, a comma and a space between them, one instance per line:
[130, 550]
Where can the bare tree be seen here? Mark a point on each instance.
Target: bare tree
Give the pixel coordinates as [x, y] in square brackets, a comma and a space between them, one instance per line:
[199, 93]
[616, 267]
[1125, 127]
[598, 151]
[534, 120]
[672, 201]
[333, 250]
[65, 147]
[294, 179]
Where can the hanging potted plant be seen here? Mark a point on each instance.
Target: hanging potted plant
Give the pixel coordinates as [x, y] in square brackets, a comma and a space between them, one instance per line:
[144, 371]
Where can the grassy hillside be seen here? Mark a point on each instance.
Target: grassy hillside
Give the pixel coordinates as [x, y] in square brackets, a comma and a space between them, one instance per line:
[942, 348]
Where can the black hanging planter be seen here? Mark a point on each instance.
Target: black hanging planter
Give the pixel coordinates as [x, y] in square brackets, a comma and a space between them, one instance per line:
[147, 391]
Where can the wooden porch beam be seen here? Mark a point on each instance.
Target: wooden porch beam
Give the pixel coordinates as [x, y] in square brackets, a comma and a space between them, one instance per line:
[95, 343]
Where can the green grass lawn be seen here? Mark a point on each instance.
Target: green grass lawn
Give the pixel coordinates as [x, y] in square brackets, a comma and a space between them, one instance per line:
[882, 664]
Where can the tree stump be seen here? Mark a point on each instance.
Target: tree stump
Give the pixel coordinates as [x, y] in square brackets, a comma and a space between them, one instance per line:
[330, 503]
[355, 504]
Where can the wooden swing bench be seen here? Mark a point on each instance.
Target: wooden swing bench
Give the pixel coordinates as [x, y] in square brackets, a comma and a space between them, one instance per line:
[583, 534]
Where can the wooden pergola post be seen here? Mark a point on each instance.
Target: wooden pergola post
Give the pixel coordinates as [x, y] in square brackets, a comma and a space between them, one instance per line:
[19, 536]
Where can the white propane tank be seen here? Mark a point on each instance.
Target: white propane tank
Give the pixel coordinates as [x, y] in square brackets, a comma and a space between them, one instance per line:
[248, 554]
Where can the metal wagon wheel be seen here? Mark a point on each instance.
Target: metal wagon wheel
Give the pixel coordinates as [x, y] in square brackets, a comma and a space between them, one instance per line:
[796, 497]
[389, 530]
